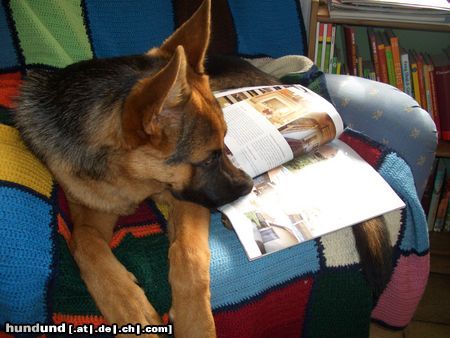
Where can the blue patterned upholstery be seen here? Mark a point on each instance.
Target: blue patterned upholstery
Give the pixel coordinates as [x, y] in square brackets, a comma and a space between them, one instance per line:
[390, 117]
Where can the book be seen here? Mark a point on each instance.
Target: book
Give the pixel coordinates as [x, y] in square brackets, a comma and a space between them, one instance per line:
[350, 44]
[442, 87]
[415, 77]
[334, 65]
[360, 66]
[389, 60]
[326, 65]
[428, 191]
[402, 5]
[339, 68]
[324, 47]
[430, 85]
[333, 60]
[396, 11]
[319, 43]
[420, 75]
[406, 72]
[427, 86]
[306, 182]
[441, 212]
[374, 52]
[437, 192]
[340, 50]
[382, 58]
[393, 39]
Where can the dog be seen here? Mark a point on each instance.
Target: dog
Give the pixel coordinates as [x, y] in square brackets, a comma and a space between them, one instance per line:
[116, 131]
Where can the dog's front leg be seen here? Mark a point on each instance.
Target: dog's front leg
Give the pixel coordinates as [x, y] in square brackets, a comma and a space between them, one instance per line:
[189, 258]
[114, 289]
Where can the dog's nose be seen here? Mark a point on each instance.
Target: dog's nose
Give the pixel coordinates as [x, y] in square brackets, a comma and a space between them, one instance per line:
[243, 185]
[246, 187]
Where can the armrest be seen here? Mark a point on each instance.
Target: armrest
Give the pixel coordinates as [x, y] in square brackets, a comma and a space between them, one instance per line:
[390, 117]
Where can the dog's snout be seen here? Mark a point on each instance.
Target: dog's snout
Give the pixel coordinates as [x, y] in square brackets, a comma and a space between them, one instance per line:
[243, 184]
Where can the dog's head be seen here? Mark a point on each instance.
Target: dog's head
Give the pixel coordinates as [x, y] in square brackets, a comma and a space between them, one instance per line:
[175, 128]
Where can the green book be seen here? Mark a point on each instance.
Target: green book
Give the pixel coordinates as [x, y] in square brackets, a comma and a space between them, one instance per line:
[389, 61]
[334, 65]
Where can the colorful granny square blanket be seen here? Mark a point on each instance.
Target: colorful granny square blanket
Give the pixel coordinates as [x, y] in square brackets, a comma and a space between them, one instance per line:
[315, 289]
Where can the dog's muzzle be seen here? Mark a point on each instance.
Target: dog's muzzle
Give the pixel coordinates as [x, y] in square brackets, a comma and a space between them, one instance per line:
[217, 190]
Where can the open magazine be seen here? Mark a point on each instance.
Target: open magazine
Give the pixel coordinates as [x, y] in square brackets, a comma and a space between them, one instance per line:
[306, 182]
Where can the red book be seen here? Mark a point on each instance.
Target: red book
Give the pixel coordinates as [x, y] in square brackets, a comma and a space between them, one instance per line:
[350, 44]
[382, 58]
[420, 72]
[434, 98]
[374, 52]
[442, 87]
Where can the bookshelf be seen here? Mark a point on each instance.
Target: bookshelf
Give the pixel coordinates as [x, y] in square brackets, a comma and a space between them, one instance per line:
[439, 241]
[319, 13]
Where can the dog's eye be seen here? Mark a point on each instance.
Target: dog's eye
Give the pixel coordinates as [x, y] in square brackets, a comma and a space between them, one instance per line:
[211, 159]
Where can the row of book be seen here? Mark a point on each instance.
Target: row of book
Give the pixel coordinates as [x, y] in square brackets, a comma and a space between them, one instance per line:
[415, 11]
[424, 77]
[435, 200]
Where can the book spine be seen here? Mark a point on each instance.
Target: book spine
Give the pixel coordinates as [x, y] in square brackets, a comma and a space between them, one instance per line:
[333, 43]
[326, 65]
[441, 212]
[427, 86]
[390, 65]
[428, 191]
[374, 52]
[360, 66]
[434, 100]
[320, 46]
[415, 81]
[443, 204]
[316, 49]
[442, 84]
[350, 42]
[382, 62]
[437, 191]
[423, 98]
[334, 64]
[397, 64]
[324, 47]
[406, 73]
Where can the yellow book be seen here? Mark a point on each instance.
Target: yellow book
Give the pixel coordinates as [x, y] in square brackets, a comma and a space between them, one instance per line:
[415, 79]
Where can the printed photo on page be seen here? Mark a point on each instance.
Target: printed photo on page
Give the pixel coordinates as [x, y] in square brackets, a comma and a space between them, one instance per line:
[268, 126]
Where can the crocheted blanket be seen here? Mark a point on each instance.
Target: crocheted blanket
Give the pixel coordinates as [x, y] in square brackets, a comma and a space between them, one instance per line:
[315, 289]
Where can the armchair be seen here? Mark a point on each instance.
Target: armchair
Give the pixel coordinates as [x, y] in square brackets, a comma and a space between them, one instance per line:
[315, 289]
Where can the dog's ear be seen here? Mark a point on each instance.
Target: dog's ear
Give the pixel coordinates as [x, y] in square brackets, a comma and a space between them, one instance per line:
[154, 97]
[193, 35]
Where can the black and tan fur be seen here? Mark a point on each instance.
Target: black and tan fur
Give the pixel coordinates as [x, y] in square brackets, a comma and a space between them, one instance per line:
[116, 131]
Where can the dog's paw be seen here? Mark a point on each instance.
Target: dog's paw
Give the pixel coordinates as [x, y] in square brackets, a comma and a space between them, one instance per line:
[122, 301]
[132, 306]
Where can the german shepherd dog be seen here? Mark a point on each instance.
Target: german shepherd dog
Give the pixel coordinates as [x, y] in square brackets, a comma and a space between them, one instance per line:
[116, 131]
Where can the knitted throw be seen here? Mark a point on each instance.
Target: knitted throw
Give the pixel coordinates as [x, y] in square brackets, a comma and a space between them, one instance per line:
[315, 289]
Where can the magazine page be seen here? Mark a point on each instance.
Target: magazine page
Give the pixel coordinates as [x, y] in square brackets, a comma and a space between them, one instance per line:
[312, 195]
[268, 126]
